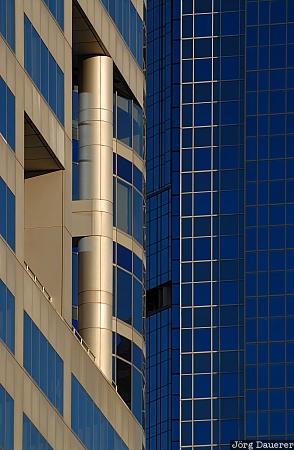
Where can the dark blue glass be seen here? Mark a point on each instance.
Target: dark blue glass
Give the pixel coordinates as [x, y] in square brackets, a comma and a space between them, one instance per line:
[49, 375]
[37, 58]
[32, 438]
[124, 296]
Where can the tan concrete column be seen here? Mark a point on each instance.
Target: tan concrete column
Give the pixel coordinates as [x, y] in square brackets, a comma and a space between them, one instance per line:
[95, 184]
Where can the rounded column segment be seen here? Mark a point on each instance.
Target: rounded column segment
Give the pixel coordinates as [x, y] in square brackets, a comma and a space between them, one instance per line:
[95, 184]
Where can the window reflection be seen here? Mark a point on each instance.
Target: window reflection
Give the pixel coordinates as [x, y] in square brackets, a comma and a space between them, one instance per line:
[124, 207]
[124, 120]
[128, 123]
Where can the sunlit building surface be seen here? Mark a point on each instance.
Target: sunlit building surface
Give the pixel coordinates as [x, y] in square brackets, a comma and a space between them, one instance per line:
[220, 216]
[72, 225]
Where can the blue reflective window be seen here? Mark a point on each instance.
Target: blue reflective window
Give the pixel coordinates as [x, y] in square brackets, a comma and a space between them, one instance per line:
[124, 296]
[32, 438]
[43, 363]
[50, 82]
[7, 114]
[88, 422]
[7, 214]
[56, 7]
[7, 21]
[6, 420]
[7, 321]
[137, 305]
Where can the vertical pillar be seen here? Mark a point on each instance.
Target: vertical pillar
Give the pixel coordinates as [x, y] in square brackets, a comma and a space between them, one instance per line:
[95, 184]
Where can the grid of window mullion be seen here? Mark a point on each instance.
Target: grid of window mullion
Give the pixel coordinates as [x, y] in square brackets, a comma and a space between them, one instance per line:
[39, 62]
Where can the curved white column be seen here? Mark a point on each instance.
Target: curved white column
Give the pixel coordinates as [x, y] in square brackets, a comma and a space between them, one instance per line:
[95, 184]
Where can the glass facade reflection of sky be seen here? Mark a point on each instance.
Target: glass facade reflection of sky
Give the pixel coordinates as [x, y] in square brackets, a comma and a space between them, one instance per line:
[228, 133]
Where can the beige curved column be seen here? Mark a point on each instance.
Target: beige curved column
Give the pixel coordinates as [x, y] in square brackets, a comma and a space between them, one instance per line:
[95, 184]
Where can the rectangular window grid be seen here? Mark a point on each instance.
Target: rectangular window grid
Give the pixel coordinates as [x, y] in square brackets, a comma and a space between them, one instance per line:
[43, 70]
[89, 424]
[7, 313]
[43, 363]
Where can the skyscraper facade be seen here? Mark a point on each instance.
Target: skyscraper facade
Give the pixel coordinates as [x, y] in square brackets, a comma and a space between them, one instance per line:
[72, 218]
[220, 222]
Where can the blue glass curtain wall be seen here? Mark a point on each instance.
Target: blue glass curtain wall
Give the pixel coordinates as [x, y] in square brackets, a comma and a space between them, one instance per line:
[89, 424]
[7, 114]
[31, 437]
[129, 24]
[7, 214]
[56, 7]
[7, 21]
[43, 70]
[43, 363]
[7, 314]
[6, 420]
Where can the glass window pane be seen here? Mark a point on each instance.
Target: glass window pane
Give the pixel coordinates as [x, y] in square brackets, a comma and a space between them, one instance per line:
[36, 54]
[60, 13]
[51, 374]
[2, 312]
[74, 404]
[2, 416]
[3, 109]
[133, 29]
[10, 23]
[43, 364]
[9, 423]
[97, 416]
[3, 15]
[52, 82]
[35, 353]
[10, 119]
[27, 354]
[138, 217]
[10, 219]
[126, 20]
[124, 120]
[138, 129]
[26, 433]
[138, 307]
[10, 321]
[44, 71]
[123, 379]
[124, 296]
[59, 384]
[28, 45]
[124, 207]
[60, 95]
